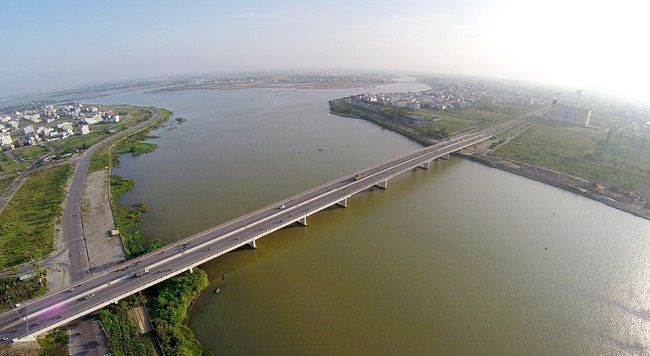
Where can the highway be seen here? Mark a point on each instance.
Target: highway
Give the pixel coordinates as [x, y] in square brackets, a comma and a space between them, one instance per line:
[93, 292]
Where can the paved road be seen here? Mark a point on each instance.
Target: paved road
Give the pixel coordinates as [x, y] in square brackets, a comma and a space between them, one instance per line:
[101, 289]
[86, 337]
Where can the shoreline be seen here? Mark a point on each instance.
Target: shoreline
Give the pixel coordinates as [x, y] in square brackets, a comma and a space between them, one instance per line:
[195, 283]
[555, 179]
[543, 175]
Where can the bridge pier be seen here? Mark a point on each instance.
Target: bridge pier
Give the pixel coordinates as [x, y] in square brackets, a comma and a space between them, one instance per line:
[302, 221]
[445, 157]
[252, 244]
[343, 203]
[191, 270]
[382, 185]
[425, 165]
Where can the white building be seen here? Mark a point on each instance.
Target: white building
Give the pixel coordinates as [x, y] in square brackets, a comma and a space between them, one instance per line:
[84, 129]
[14, 124]
[29, 130]
[569, 114]
[6, 141]
[65, 126]
[93, 119]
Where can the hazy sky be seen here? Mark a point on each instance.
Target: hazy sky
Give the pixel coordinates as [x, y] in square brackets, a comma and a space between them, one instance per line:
[587, 44]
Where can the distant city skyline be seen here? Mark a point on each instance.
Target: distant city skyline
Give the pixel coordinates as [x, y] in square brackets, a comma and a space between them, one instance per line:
[593, 45]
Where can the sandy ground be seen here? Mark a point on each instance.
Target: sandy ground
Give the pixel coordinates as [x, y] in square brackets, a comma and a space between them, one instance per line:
[104, 251]
[20, 349]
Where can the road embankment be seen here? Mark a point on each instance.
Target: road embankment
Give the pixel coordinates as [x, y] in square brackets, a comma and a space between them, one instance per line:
[560, 180]
[557, 179]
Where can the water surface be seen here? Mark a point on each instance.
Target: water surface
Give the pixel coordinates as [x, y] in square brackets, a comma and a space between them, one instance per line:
[461, 259]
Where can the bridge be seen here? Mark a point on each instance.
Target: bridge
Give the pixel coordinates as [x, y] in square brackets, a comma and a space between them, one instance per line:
[38, 316]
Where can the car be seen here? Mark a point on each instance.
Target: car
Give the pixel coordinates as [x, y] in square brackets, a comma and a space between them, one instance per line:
[89, 296]
[282, 206]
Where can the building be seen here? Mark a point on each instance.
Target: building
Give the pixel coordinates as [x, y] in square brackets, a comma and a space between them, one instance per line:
[84, 129]
[65, 126]
[29, 130]
[569, 114]
[6, 141]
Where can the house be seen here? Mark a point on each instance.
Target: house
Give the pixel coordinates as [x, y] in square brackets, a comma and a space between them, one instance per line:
[84, 130]
[29, 130]
[6, 141]
[569, 114]
[97, 118]
[65, 126]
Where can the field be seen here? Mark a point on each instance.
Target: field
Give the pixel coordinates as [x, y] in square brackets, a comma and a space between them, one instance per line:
[9, 165]
[612, 158]
[54, 344]
[32, 153]
[438, 124]
[13, 291]
[27, 221]
[4, 184]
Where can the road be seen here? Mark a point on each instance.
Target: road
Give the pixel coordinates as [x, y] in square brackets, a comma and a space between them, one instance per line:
[93, 292]
[86, 337]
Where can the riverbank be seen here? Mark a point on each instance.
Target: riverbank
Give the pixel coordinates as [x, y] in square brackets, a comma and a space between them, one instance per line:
[167, 303]
[558, 179]
[618, 199]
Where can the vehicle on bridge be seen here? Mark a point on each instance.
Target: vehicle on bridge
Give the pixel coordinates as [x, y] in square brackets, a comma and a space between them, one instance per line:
[360, 176]
[142, 272]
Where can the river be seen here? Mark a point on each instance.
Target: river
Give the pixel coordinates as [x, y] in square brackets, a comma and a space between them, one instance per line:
[460, 259]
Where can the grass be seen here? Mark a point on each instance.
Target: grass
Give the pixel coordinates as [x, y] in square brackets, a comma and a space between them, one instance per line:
[339, 107]
[13, 290]
[128, 220]
[134, 144]
[622, 161]
[5, 183]
[32, 153]
[54, 344]
[124, 337]
[9, 165]
[77, 143]
[169, 312]
[27, 221]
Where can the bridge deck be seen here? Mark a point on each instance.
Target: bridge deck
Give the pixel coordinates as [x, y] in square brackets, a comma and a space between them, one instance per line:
[60, 307]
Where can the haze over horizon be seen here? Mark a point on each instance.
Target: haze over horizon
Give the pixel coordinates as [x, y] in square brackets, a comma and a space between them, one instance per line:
[594, 45]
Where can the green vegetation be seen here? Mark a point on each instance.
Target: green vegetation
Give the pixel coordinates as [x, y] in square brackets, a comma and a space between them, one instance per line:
[54, 343]
[136, 145]
[13, 290]
[27, 221]
[427, 126]
[5, 183]
[339, 107]
[9, 165]
[606, 157]
[128, 220]
[169, 311]
[32, 153]
[133, 144]
[77, 143]
[124, 337]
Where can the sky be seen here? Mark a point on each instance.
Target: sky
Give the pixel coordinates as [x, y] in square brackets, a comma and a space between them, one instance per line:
[593, 45]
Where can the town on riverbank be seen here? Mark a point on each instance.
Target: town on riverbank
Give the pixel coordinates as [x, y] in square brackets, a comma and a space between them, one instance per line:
[156, 320]
[585, 145]
[57, 187]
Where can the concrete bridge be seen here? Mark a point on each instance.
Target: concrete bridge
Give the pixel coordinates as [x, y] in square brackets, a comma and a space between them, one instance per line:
[38, 316]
